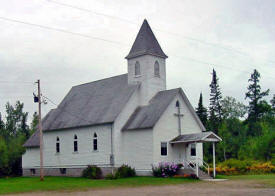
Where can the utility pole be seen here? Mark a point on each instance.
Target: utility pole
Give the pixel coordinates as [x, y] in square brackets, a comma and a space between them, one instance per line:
[40, 132]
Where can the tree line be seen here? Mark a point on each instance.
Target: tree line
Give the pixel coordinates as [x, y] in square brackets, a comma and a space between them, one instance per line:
[14, 131]
[248, 131]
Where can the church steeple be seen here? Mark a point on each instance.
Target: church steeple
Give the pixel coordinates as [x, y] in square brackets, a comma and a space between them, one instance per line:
[146, 43]
[146, 64]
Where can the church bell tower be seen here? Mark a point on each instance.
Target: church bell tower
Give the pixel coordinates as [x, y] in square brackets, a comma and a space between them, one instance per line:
[146, 64]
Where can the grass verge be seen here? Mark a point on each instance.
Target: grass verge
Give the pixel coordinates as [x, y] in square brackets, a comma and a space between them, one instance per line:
[32, 184]
[267, 180]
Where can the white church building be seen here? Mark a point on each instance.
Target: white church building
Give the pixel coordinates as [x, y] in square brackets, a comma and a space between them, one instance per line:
[126, 119]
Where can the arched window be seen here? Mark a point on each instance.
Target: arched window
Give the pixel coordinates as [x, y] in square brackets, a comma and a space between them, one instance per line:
[75, 143]
[57, 145]
[177, 104]
[156, 69]
[137, 69]
[95, 142]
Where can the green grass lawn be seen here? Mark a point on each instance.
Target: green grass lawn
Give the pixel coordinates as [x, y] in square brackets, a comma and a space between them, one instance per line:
[31, 184]
[265, 179]
[27, 184]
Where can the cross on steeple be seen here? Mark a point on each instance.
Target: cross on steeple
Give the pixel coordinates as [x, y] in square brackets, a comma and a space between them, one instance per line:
[179, 115]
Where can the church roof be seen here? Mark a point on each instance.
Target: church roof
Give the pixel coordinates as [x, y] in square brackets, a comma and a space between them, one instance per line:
[146, 116]
[88, 104]
[196, 137]
[146, 43]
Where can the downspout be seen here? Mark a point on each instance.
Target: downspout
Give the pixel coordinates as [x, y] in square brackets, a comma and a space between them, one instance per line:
[112, 150]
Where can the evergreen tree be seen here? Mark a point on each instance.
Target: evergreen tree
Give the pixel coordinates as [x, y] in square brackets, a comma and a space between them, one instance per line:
[215, 109]
[202, 111]
[256, 105]
[34, 122]
[1, 124]
[24, 127]
[273, 102]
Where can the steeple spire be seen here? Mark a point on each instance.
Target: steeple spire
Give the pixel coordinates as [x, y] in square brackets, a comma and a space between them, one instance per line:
[146, 43]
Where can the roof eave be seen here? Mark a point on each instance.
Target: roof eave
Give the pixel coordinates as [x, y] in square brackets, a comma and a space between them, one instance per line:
[130, 56]
[139, 128]
[81, 126]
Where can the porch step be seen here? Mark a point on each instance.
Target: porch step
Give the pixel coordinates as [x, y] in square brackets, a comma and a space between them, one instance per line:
[202, 175]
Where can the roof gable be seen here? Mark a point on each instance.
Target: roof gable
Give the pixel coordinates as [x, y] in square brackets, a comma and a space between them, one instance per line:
[147, 116]
[145, 43]
[193, 112]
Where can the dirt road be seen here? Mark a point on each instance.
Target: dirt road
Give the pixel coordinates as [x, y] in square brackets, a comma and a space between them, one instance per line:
[226, 188]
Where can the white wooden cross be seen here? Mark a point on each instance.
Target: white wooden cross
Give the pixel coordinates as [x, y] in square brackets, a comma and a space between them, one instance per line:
[179, 115]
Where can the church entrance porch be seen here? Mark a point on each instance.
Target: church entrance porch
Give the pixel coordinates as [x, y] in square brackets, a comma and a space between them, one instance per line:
[192, 160]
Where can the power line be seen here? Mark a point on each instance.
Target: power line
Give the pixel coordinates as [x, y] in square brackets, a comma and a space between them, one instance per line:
[59, 30]
[214, 64]
[17, 82]
[91, 37]
[92, 11]
[160, 30]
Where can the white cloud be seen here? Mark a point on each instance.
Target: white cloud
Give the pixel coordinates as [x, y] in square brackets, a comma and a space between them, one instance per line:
[61, 60]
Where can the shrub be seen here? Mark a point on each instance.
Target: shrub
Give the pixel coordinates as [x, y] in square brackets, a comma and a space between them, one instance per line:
[125, 171]
[92, 172]
[194, 176]
[165, 169]
[110, 177]
[235, 167]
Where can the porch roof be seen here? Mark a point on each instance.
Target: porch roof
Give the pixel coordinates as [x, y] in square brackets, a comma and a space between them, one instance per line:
[208, 136]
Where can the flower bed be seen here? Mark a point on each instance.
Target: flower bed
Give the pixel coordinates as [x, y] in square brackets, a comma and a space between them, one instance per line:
[165, 169]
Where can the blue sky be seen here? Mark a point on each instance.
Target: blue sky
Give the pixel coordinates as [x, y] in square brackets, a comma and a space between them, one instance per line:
[234, 37]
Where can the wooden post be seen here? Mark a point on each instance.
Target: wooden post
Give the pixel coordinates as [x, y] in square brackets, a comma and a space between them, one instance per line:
[197, 161]
[214, 161]
[40, 132]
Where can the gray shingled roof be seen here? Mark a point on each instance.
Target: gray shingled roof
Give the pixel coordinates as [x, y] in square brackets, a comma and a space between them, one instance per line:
[33, 141]
[145, 43]
[195, 137]
[146, 116]
[93, 103]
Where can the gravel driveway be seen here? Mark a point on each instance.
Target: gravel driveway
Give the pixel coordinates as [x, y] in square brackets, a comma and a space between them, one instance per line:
[225, 188]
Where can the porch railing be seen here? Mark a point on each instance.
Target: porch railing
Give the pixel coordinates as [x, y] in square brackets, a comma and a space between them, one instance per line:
[193, 165]
[205, 165]
[190, 165]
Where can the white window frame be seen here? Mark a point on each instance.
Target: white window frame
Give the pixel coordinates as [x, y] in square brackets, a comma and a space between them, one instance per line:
[194, 144]
[57, 142]
[75, 140]
[155, 73]
[137, 64]
[95, 138]
[166, 148]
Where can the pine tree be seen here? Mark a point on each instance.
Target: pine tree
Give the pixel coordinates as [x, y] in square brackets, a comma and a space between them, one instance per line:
[215, 109]
[255, 96]
[1, 122]
[273, 102]
[202, 111]
[34, 122]
[256, 104]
